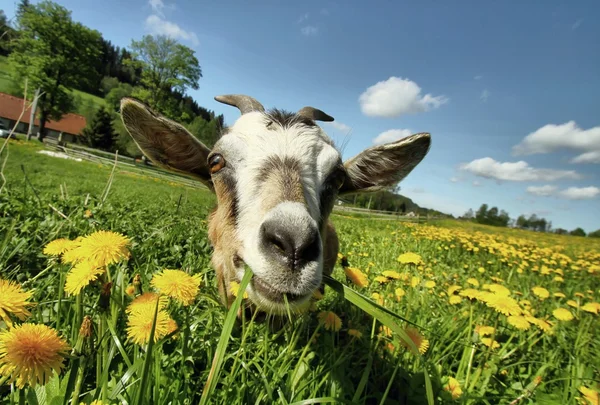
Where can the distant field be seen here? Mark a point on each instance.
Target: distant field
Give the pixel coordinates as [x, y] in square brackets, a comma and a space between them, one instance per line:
[501, 314]
[7, 85]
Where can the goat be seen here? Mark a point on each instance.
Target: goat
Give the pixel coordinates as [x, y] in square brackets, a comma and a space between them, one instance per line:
[276, 176]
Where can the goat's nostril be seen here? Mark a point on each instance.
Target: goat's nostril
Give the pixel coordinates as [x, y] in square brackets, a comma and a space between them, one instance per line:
[292, 247]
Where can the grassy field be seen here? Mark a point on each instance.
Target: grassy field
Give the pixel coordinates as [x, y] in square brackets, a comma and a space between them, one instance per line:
[85, 102]
[493, 316]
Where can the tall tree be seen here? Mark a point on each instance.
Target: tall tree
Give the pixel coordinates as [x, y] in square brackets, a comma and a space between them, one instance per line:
[166, 66]
[55, 54]
[99, 133]
[6, 34]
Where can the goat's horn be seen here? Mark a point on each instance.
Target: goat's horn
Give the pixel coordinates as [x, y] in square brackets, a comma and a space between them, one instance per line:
[314, 114]
[244, 103]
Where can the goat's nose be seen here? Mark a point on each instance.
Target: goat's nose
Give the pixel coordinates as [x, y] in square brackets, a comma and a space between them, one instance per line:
[293, 247]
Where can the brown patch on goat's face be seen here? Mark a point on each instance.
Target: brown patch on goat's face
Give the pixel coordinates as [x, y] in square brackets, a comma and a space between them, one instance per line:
[280, 182]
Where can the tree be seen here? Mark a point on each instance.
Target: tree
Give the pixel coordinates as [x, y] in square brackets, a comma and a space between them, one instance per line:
[166, 66]
[113, 98]
[99, 133]
[595, 234]
[561, 231]
[55, 54]
[578, 232]
[481, 213]
[6, 34]
[469, 214]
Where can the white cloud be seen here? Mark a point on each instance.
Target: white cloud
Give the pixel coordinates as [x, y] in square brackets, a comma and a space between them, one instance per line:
[551, 137]
[391, 135]
[158, 6]
[485, 94]
[454, 179]
[577, 24]
[515, 171]
[478, 77]
[303, 18]
[339, 126]
[543, 191]
[396, 96]
[159, 26]
[309, 30]
[476, 184]
[588, 157]
[580, 193]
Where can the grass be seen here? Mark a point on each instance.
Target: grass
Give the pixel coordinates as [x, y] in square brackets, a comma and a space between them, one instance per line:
[546, 361]
[86, 102]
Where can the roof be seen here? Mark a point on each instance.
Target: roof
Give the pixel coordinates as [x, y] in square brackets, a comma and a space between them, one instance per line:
[11, 108]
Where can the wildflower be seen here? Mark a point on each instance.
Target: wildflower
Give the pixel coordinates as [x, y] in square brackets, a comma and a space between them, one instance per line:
[499, 289]
[559, 295]
[473, 282]
[356, 276]
[382, 279]
[414, 281]
[485, 330]
[177, 284]
[384, 330]
[497, 279]
[504, 305]
[392, 274]
[453, 288]
[453, 387]
[234, 287]
[481, 270]
[490, 343]
[146, 300]
[430, 284]
[57, 247]
[355, 333]
[407, 258]
[573, 304]
[130, 290]
[31, 353]
[13, 301]
[139, 324]
[562, 314]
[591, 396]
[80, 276]
[541, 292]
[455, 299]
[87, 214]
[470, 293]
[330, 320]
[418, 339]
[540, 323]
[104, 247]
[399, 292]
[519, 322]
[172, 327]
[558, 279]
[592, 307]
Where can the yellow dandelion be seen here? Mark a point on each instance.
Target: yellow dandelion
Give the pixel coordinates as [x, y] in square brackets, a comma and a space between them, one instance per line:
[81, 276]
[499, 289]
[104, 247]
[573, 304]
[317, 295]
[591, 396]
[139, 324]
[481, 270]
[559, 295]
[410, 258]
[430, 284]
[414, 281]
[497, 279]
[540, 323]
[13, 301]
[147, 301]
[177, 284]
[519, 322]
[485, 330]
[455, 299]
[172, 327]
[87, 214]
[453, 288]
[558, 279]
[356, 276]
[453, 387]
[130, 290]
[418, 339]
[540, 292]
[385, 331]
[382, 279]
[473, 282]
[31, 354]
[355, 333]
[74, 253]
[57, 247]
[330, 320]
[234, 287]
[562, 314]
[592, 307]
[580, 295]
[392, 274]
[504, 305]
[399, 293]
[470, 293]
[492, 344]
[378, 298]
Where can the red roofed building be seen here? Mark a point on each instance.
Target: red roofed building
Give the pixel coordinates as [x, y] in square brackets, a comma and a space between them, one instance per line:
[11, 109]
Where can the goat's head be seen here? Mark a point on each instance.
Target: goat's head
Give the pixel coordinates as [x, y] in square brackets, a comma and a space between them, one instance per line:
[276, 176]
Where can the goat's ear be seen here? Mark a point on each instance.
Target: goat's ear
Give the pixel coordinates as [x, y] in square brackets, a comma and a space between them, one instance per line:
[165, 142]
[384, 166]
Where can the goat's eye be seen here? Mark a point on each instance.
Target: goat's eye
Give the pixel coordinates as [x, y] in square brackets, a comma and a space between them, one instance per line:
[216, 162]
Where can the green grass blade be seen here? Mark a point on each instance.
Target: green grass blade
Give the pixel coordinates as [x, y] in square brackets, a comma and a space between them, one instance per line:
[139, 400]
[217, 363]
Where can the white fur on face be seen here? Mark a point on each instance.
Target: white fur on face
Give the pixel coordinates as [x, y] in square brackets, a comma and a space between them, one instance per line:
[246, 148]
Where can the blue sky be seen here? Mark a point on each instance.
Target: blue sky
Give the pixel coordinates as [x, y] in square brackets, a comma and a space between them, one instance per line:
[508, 90]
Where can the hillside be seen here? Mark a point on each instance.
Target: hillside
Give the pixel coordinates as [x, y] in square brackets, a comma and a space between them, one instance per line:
[389, 201]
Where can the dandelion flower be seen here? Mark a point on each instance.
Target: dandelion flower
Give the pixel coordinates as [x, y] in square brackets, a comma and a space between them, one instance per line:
[130, 290]
[592, 307]
[146, 300]
[519, 322]
[540, 323]
[540, 292]
[330, 320]
[414, 281]
[573, 304]
[385, 331]
[490, 343]
[505, 305]
[57, 247]
[407, 258]
[392, 274]
[139, 325]
[453, 387]
[13, 301]
[355, 333]
[453, 288]
[473, 282]
[499, 289]
[485, 330]
[234, 287]
[559, 295]
[562, 314]
[177, 284]
[591, 396]
[399, 293]
[558, 279]
[356, 276]
[104, 247]
[455, 299]
[430, 284]
[80, 276]
[470, 293]
[418, 339]
[31, 353]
